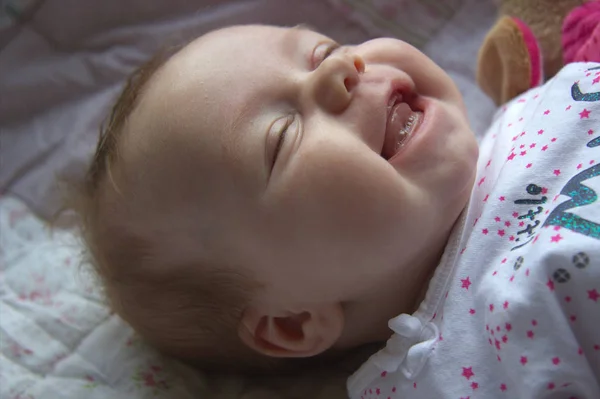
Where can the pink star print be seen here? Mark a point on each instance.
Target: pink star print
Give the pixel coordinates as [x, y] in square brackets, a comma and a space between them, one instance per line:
[584, 114]
[465, 283]
[544, 148]
[502, 198]
[556, 238]
[593, 295]
[481, 181]
[472, 311]
[508, 326]
[551, 386]
[503, 387]
[468, 372]
[523, 360]
[512, 156]
[547, 112]
[532, 145]
[568, 108]
[596, 80]
[555, 361]
[505, 306]
[491, 307]
[501, 233]
[474, 385]
[541, 131]
[590, 132]
[484, 231]
[550, 285]
[530, 334]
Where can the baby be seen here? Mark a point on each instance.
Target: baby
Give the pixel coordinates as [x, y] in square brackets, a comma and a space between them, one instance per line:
[266, 196]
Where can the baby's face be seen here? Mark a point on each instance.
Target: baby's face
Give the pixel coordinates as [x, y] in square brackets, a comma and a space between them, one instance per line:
[325, 168]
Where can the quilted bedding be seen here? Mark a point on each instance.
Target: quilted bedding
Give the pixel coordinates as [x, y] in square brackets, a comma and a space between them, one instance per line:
[61, 63]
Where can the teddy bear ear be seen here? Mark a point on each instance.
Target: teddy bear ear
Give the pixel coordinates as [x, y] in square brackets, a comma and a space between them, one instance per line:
[509, 61]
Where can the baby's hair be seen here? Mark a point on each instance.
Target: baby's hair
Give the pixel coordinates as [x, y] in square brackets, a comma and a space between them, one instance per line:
[188, 311]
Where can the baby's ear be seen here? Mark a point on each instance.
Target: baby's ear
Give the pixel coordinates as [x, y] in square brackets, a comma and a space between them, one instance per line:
[292, 334]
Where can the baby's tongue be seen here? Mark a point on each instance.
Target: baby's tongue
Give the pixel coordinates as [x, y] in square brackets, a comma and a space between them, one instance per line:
[399, 117]
[395, 132]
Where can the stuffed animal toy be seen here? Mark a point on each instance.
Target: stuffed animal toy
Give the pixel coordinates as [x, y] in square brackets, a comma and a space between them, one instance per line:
[532, 40]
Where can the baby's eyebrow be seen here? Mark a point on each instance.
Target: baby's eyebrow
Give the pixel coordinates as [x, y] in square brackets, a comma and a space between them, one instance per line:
[304, 26]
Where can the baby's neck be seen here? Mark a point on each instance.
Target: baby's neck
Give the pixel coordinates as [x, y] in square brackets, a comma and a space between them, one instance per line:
[366, 320]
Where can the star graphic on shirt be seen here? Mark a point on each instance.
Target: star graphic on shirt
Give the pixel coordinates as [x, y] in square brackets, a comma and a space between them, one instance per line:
[556, 172]
[584, 114]
[532, 145]
[550, 285]
[505, 306]
[465, 282]
[501, 233]
[484, 231]
[468, 372]
[541, 131]
[556, 238]
[596, 80]
[523, 360]
[502, 198]
[547, 112]
[530, 334]
[503, 387]
[523, 153]
[579, 166]
[472, 311]
[481, 181]
[512, 156]
[474, 385]
[551, 386]
[544, 148]
[508, 326]
[590, 132]
[568, 108]
[555, 361]
[593, 295]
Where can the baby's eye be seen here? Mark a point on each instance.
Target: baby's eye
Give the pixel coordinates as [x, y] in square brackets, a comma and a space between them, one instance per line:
[322, 51]
[281, 128]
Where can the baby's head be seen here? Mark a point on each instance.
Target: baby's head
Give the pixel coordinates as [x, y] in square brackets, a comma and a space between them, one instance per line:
[266, 193]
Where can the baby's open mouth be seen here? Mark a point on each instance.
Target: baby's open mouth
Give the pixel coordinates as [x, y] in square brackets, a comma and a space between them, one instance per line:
[403, 119]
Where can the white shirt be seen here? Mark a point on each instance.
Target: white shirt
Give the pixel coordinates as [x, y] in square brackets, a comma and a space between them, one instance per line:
[513, 310]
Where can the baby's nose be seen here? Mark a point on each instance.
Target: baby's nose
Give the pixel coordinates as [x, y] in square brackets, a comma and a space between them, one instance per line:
[334, 81]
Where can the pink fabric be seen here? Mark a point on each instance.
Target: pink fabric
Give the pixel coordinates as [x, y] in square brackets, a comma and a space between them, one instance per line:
[581, 34]
[534, 53]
